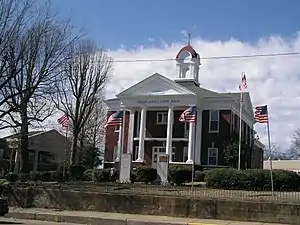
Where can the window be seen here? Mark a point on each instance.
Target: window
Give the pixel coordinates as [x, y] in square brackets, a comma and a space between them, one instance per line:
[214, 121]
[162, 118]
[157, 150]
[185, 154]
[212, 156]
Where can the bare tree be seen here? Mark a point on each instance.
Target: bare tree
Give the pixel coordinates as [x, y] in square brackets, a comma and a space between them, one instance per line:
[92, 137]
[294, 150]
[14, 16]
[85, 75]
[276, 152]
[36, 55]
[95, 131]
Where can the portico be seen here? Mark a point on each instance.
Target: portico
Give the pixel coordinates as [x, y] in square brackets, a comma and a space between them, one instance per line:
[163, 96]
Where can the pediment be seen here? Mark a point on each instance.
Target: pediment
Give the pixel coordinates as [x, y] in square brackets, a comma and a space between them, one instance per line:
[155, 85]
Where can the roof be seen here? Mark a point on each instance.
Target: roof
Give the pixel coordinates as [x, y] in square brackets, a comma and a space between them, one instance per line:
[283, 164]
[30, 134]
[258, 143]
[188, 49]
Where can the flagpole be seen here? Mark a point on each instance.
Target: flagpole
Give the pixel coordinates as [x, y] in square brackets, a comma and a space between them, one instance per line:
[240, 128]
[194, 146]
[65, 154]
[270, 151]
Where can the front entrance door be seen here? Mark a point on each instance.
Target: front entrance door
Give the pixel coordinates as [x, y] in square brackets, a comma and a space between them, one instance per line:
[158, 150]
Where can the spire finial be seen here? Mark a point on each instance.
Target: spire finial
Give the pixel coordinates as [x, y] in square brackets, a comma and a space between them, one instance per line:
[189, 38]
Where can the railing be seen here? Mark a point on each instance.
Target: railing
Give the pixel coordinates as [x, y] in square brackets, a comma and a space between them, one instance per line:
[282, 196]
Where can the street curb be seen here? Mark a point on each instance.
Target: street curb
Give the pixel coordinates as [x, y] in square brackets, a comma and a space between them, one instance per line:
[86, 220]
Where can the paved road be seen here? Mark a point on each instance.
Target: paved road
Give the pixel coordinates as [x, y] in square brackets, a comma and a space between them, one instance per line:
[4, 221]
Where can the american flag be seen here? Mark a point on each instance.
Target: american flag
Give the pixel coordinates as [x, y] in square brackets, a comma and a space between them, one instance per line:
[63, 121]
[243, 85]
[189, 115]
[115, 119]
[261, 114]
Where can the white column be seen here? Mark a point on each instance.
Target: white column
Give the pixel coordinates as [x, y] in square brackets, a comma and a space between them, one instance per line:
[121, 136]
[119, 143]
[191, 143]
[198, 141]
[123, 131]
[130, 132]
[142, 136]
[169, 134]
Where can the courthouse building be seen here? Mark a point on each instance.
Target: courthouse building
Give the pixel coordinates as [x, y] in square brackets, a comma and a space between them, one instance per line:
[151, 124]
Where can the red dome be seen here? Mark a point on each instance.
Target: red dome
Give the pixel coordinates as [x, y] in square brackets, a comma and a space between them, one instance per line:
[189, 49]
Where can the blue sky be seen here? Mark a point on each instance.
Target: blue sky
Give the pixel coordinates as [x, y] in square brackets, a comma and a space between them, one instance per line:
[134, 22]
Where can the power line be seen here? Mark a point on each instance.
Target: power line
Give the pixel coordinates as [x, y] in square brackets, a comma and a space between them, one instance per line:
[211, 57]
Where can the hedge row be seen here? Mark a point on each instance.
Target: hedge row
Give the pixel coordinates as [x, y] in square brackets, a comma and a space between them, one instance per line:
[177, 174]
[46, 176]
[74, 173]
[223, 178]
[251, 179]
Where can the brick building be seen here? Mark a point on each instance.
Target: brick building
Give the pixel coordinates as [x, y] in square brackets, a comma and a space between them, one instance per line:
[151, 123]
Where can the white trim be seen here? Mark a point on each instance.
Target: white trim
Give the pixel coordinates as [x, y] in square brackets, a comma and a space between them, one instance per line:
[165, 108]
[217, 155]
[136, 153]
[161, 139]
[185, 154]
[210, 120]
[164, 118]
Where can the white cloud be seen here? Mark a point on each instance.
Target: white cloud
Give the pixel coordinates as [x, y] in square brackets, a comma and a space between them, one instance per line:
[271, 80]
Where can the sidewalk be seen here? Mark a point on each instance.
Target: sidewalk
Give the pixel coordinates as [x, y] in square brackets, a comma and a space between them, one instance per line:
[100, 218]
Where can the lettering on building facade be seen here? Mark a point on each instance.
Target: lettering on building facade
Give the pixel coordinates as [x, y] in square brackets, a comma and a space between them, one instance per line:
[163, 101]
